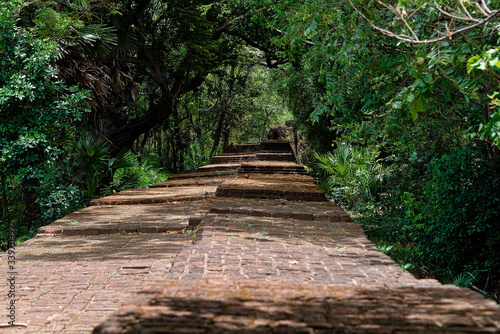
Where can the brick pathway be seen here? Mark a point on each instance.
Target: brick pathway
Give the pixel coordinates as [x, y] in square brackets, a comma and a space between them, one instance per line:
[270, 255]
[273, 307]
[238, 247]
[71, 284]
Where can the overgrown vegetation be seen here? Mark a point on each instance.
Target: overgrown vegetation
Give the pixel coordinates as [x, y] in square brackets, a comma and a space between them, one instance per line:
[399, 102]
[350, 174]
[98, 96]
[421, 107]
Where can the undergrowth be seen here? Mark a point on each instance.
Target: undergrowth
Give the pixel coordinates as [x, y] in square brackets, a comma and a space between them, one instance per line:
[438, 220]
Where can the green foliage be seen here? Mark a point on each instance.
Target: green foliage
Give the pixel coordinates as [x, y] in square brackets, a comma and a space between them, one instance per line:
[454, 219]
[489, 62]
[441, 214]
[145, 173]
[93, 168]
[88, 162]
[422, 106]
[305, 97]
[464, 280]
[423, 184]
[60, 200]
[38, 112]
[405, 255]
[353, 174]
[261, 106]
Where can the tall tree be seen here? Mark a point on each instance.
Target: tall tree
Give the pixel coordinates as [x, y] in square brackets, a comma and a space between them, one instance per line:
[38, 111]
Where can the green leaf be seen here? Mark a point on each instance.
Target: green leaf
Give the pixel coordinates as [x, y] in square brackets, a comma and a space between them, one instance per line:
[410, 97]
[416, 106]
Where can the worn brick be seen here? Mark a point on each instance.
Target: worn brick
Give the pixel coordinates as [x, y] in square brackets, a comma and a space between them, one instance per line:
[270, 255]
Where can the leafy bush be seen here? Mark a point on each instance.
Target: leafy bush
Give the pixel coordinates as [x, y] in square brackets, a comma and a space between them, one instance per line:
[146, 174]
[352, 174]
[62, 200]
[454, 222]
[38, 112]
[94, 169]
[57, 197]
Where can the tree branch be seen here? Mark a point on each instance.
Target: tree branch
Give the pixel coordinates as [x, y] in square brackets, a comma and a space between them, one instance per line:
[487, 10]
[450, 34]
[469, 18]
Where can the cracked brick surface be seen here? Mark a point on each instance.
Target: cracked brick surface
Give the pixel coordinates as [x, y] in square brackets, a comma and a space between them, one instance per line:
[276, 186]
[242, 247]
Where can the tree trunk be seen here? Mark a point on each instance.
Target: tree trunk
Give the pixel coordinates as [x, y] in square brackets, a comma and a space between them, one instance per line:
[125, 136]
[173, 159]
[177, 140]
[218, 130]
[226, 134]
[11, 233]
[5, 206]
[159, 143]
[31, 211]
[263, 136]
[140, 148]
[182, 165]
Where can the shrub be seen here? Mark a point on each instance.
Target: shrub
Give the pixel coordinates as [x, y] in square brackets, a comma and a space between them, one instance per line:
[58, 202]
[351, 174]
[146, 174]
[94, 169]
[454, 222]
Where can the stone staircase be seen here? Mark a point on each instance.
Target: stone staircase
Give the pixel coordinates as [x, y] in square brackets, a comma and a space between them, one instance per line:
[246, 244]
[271, 150]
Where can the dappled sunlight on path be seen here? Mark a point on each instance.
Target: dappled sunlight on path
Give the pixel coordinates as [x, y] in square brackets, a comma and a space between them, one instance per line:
[246, 244]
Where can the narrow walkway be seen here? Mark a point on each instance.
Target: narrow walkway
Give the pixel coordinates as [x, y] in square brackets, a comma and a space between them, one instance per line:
[246, 244]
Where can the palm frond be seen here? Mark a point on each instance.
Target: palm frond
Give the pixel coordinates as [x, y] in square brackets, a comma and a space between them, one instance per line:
[343, 152]
[122, 160]
[324, 162]
[343, 170]
[128, 181]
[464, 280]
[96, 38]
[127, 43]
[89, 154]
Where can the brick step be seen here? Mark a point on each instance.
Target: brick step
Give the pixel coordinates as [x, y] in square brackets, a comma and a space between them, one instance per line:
[269, 145]
[156, 195]
[203, 174]
[275, 157]
[277, 187]
[277, 145]
[260, 156]
[272, 170]
[233, 167]
[256, 306]
[225, 159]
[243, 148]
[290, 195]
[188, 181]
[226, 154]
[113, 219]
[321, 211]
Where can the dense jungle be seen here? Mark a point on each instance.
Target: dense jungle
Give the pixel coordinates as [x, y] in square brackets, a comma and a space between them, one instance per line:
[397, 104]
